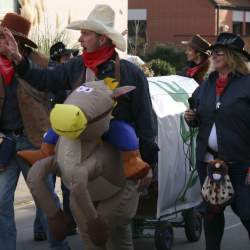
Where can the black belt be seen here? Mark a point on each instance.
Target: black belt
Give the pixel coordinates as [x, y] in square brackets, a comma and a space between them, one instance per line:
[18, 131]
[212, 152]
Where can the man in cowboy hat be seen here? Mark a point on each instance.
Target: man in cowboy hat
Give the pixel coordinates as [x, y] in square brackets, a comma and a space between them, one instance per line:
[19, 121]
[100, 61]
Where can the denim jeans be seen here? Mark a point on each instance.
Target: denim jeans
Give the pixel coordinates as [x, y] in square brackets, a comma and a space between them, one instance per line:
[8, 183]
[38, 226]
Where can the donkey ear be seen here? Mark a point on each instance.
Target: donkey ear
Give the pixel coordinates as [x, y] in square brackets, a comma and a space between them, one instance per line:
[122, 91]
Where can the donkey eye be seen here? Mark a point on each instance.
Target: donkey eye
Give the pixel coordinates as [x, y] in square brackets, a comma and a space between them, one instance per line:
[84, 89]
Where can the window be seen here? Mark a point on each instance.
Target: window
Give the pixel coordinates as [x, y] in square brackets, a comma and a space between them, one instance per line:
[137, 28]
[137, 36]
[137, 14]
[238, 28]
[241, 23]
[247, 18]
[247, 29]
[238, 18]
[137, 31]
[7, 6]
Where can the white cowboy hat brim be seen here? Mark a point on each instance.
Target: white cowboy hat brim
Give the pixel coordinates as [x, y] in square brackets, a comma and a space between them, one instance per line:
[117, 38]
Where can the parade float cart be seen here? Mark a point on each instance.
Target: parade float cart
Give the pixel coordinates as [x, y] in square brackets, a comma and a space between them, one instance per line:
[172, 199]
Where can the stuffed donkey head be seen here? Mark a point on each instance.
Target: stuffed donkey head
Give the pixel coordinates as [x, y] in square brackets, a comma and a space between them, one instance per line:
[86, 113]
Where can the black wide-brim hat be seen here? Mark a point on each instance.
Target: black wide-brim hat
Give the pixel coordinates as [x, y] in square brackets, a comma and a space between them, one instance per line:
[59, 49]
[67, 52]
[231, 41]
[19, 27]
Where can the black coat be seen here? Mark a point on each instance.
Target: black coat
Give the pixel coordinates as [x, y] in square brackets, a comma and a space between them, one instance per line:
[134, 107]
[232, 119]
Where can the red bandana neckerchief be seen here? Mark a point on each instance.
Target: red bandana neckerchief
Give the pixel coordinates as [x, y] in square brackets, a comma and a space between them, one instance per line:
[191, 72]
[6, 70]
[93, 59]
[221, 83]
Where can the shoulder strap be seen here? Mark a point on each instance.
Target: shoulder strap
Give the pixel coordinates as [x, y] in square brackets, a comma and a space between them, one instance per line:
[80, 80]
[117, 68]
[2, 91]
[39, 96]
[2, 94]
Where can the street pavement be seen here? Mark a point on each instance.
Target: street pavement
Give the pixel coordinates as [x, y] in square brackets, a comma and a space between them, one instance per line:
[235, 237]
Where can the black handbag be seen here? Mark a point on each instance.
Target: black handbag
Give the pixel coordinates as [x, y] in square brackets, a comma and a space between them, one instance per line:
[7, 151]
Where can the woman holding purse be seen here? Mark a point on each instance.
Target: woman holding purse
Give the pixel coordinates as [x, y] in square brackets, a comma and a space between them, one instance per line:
[222, 114]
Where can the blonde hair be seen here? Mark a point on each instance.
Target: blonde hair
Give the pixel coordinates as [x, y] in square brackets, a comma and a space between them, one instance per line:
[236, 62]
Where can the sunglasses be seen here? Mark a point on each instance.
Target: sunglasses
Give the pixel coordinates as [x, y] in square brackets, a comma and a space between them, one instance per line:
[218, 52]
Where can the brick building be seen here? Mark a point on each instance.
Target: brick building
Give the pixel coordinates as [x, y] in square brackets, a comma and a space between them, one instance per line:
[175, 21]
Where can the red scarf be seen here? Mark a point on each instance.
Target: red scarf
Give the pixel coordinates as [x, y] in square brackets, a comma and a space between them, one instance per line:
[221, 83]
[6, 70]
[93, 59]
[191, 72]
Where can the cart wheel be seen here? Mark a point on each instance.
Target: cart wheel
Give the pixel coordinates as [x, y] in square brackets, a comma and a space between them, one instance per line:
[193, 225]
[164, 236]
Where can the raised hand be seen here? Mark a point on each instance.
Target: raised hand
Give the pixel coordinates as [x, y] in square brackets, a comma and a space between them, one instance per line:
[145, 182]
[190, 115]
[9, 46]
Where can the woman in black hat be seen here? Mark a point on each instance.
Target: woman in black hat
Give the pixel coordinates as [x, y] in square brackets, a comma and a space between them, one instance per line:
[222, 113]
[197, 58]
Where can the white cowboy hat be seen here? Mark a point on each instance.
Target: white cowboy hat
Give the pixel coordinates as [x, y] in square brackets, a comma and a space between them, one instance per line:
[101, 20]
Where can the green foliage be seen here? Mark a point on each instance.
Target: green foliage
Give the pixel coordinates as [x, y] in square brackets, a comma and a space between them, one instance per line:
[169, 53]
[161, 68]
[146, 70]
[137, 46]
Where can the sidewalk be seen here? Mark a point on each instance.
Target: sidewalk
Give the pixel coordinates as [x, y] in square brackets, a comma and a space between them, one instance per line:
[23, 196]
[25, 214]
[235, 236]
[24, 219]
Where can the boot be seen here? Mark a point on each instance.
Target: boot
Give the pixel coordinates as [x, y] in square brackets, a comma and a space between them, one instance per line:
[31, 156]
[60, 225]
[134, 166]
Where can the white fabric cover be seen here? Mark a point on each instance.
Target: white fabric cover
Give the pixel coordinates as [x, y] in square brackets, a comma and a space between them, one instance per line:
[169, 96]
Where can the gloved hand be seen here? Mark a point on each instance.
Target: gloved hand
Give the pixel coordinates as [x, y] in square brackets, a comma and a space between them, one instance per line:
[60, 224]
[98, 231]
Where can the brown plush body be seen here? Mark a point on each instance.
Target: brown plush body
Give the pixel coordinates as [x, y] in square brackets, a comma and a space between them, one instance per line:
[102, 200]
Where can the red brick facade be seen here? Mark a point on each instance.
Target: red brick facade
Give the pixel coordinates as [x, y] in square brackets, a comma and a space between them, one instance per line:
[174, 21]
[178, 20]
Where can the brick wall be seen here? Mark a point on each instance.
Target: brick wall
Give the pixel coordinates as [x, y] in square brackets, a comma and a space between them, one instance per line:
[177, 20]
